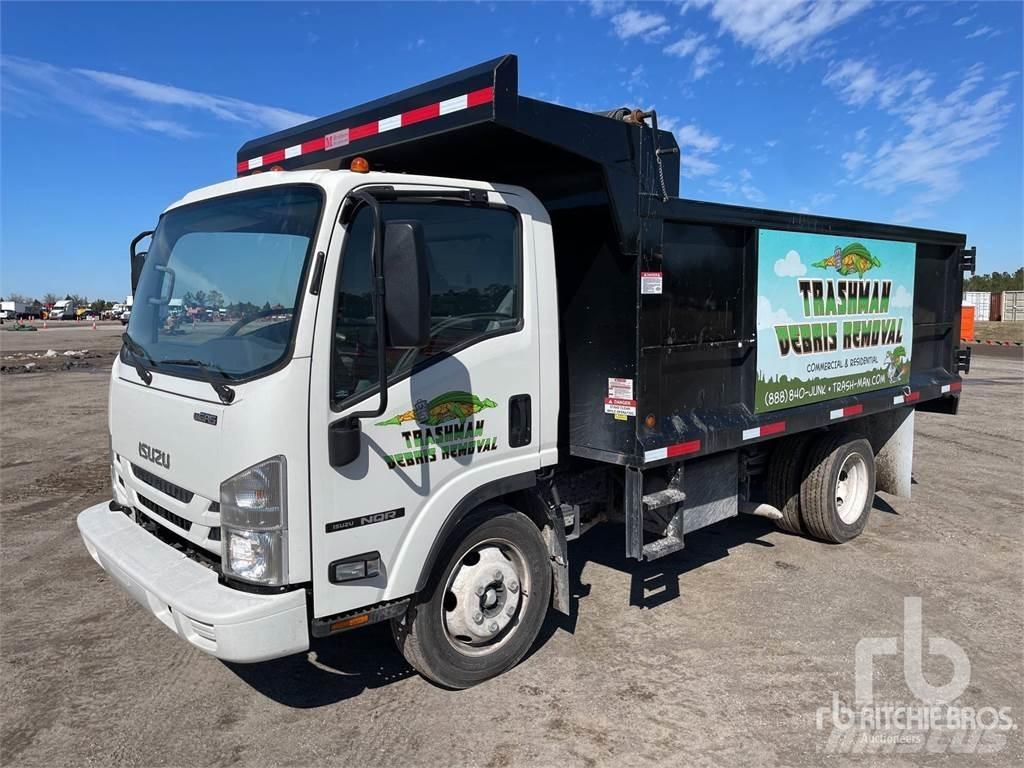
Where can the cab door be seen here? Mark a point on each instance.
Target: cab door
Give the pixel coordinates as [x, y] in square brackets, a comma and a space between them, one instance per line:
[461, 412]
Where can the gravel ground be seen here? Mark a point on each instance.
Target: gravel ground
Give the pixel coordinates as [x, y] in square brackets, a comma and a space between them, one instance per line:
[720, 655]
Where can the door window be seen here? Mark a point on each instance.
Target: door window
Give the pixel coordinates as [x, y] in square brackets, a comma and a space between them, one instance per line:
[475, 290]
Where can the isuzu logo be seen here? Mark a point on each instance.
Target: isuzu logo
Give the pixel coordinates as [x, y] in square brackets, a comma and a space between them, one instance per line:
[149, 453]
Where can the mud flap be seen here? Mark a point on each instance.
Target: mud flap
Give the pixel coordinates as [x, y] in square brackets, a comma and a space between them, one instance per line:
[891, 434]
[554, 537]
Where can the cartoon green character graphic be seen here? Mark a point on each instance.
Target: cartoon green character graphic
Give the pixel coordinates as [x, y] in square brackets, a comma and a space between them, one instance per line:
[853, 258]
[897, 364]
[451, 406]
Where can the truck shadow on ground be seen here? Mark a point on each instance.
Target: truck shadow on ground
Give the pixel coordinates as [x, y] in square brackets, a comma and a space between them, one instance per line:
[342, 667]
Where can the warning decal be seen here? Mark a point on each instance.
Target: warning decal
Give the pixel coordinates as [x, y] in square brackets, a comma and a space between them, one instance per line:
[620, 388]
[650, 282]
[620, 407]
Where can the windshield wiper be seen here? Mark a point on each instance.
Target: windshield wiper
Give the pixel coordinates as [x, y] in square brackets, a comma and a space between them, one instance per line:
[224, 392]
[135, 351]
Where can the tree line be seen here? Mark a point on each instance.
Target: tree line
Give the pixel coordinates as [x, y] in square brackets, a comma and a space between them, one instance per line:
[996, 282]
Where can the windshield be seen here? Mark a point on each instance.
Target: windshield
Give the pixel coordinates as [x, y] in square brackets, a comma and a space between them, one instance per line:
[218, 293]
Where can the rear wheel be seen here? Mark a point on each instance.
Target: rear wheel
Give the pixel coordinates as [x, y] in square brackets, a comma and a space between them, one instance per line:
[838, 489]
[782, 482]
[485, 606]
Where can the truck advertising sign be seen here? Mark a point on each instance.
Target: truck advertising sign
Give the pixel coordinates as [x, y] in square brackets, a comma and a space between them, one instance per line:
[834, 317]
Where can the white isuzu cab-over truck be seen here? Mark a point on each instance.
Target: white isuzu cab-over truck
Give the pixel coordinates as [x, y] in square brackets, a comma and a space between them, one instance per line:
[358, 385]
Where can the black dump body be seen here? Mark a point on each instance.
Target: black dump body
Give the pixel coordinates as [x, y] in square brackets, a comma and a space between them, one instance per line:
[689, 352]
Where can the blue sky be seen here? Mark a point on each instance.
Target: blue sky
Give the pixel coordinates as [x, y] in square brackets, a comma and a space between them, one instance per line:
[906, 112]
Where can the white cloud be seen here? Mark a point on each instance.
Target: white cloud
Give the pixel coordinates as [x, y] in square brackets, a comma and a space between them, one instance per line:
[902, 298]
[962, 20]
[750, 192]
[703, 58]
[604, 7]
[686, 45]
[790, 266]
[984, 31]
[938, 137]
[859, 83]
[691, 166]
[853, 161]
[701, 141]
[221, 107]
[768, 317]
[914, 10]
[705, 61]
[696, 149]
[126, 103]
[634, 23]
[779, 29]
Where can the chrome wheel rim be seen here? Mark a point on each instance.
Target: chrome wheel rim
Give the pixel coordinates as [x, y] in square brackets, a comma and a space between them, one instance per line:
[485, 597]
[851, 491]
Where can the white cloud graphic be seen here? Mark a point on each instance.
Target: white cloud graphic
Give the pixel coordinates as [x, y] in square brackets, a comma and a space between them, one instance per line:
[902, 298]
[791, 266]
[768, 317]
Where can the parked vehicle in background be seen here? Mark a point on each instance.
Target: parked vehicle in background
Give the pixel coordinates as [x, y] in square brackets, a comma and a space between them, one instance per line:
[19, 310]
[434, 383]
[126, 316]
[62, 310]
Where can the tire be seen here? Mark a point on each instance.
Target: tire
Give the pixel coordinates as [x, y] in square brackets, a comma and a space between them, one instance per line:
[447, 634]
[830, 511]
[782, 483]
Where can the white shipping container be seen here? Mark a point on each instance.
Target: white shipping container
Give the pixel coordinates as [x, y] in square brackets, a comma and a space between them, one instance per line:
[981, 301]
[1013, 306]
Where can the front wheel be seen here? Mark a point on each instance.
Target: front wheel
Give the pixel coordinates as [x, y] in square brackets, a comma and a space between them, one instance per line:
[485, 605]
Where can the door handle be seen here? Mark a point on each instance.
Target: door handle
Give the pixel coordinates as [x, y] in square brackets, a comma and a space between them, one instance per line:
[519, 421]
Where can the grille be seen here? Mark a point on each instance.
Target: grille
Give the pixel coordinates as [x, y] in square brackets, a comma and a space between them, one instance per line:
[166, 514]
[164, 486]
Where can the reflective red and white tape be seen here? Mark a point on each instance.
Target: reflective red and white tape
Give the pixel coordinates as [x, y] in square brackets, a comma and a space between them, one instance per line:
[775, 428]
[347, 136]
[909, 397]
[842, 413]
[953, 387]
[671, 451]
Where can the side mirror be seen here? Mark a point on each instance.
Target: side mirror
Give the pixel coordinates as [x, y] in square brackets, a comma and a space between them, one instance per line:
[138, 259]
[406, 285]
[343, 443]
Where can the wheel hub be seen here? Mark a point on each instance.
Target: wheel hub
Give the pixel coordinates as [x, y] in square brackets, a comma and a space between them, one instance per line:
[487, 597]
[851, 488]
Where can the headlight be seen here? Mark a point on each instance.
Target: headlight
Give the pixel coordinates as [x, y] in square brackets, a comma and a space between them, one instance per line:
[254, 523]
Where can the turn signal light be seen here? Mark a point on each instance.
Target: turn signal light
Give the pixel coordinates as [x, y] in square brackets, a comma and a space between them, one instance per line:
[354, 621]
[360, 165]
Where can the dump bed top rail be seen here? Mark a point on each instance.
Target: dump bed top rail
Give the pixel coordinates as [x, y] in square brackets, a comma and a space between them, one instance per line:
[474, 124]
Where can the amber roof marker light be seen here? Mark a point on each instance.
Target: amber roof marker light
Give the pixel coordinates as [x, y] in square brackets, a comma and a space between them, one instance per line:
[359, 165]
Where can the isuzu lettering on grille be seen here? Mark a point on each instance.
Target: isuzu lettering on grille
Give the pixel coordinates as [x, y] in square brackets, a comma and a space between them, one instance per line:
[149, 453]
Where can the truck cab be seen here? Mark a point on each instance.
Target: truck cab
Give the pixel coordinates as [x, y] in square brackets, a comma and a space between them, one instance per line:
[221, 430]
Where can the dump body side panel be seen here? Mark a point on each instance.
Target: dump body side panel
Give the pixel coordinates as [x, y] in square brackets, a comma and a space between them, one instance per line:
[698, 358]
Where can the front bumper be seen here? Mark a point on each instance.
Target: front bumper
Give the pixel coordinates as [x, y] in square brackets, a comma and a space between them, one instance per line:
[188, 598]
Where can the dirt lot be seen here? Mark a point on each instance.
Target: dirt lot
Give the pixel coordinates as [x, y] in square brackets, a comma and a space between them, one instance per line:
[721, 655]
[985, 330]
